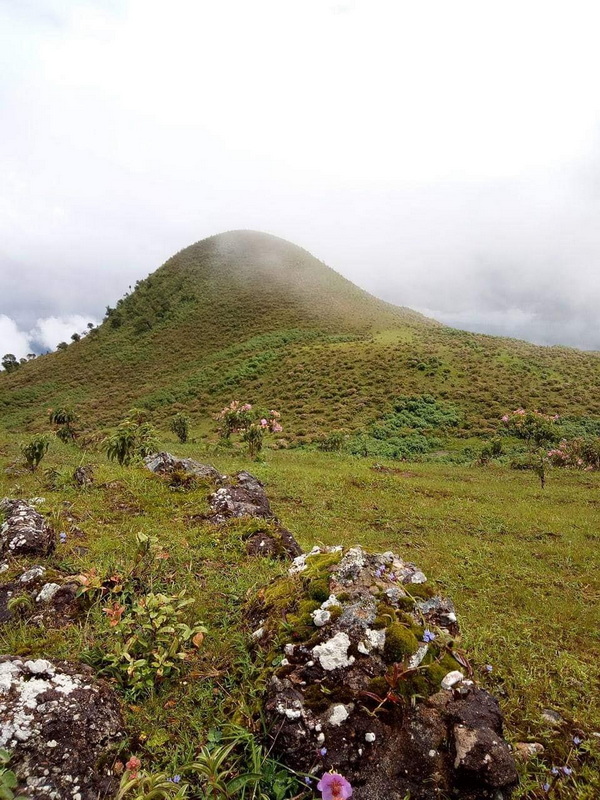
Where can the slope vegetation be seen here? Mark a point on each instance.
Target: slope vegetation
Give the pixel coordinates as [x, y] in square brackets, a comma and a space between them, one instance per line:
[248, 315]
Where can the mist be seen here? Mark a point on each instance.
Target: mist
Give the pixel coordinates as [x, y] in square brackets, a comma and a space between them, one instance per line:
[443, 158]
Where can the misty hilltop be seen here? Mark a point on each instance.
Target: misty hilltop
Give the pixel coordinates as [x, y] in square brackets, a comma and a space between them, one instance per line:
[246, 314]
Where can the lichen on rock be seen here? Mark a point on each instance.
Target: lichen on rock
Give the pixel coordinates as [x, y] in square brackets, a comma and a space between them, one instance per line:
[59, 724]
[24, 531]
[364, 648]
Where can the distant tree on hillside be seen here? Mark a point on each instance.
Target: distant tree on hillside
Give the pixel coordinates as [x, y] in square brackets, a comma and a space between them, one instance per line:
[75, 337]
[180, 425]
[10, 363]
[62, 346]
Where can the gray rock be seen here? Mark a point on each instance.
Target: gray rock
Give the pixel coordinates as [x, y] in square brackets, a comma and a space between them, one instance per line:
[553, 717]
[59, 724]
[164, 463]
[25, 531]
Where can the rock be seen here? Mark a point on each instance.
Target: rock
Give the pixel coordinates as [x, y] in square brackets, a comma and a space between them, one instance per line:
[553, 717]
[84, 475]
[524, 751]
[59, 724]
[244, 498]
[165, 463]
[452, 678]
[359, 691]
[247, 498]
[44, 603]
[25, 531]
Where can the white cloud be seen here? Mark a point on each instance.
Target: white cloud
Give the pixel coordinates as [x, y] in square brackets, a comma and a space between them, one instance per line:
[12, 340]
[50, 331]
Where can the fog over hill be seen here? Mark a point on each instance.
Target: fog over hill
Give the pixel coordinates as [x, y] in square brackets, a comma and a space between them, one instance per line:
[432, 171]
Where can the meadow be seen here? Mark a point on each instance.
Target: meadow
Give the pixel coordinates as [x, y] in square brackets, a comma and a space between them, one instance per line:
[520, 563]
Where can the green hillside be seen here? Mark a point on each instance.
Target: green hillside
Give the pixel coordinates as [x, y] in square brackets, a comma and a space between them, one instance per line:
[248, 315]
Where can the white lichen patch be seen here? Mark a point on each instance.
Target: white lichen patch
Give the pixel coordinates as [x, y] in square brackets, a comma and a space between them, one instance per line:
[338, 714]
[370, 737]
[333, 654]
[47, 592]
[299, 563]
[32, 574]
[452, 678]
[418, 657]
[321, 617]
[293, 713]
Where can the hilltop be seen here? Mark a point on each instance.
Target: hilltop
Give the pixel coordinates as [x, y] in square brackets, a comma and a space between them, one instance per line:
[248, 315]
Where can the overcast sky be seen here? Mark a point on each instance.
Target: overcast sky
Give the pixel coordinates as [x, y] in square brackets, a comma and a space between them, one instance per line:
[442, 155]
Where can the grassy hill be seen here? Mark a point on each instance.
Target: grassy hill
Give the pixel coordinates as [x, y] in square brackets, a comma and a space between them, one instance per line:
[248, 315]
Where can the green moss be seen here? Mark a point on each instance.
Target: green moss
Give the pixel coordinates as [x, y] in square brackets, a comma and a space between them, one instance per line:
[319, 566]
[315, 700]
[406, 603]
[378, 686]
[400, 642]
[422, 590]
[343, 597]
[319, 590]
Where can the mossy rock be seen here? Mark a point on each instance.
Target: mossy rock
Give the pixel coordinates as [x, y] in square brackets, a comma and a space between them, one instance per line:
[400, 643]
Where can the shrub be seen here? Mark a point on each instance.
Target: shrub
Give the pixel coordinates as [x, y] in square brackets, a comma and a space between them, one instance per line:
[64, 418]
[180, 425]
[250, 423]
[10, 363]
[34, 451]
[149, 642]
[332, 443]
[135, 438]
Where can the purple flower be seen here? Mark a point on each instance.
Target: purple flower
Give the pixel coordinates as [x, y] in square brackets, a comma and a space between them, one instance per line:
[567, 770]
[334, 787]
[577, 740]
[323, 751]
[554, 770]
[546, 787]
[488, 668]
[63, 537]
[392, 576]
[176, 778]
[428, 636]
[307, 780]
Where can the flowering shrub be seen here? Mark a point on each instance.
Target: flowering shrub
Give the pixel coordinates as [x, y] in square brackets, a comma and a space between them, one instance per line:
[578, 453]
[250, 423]
[533, 427]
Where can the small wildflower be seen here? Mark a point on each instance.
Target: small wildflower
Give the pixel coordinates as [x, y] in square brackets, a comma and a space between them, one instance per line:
[428, 636]
[307, 780]
[63, 537]
[392, 576]
[133, 765]
[546, 787]
[488, 668]
[577, 740]
[323, 751]
[567, 770]
[554, 770]
[176, 778]
[334, 787]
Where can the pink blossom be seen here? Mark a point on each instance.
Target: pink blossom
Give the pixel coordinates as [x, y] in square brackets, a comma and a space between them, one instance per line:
[334, 787]
[505, 418]
[276, 427]
[264, 423]
[246, 407]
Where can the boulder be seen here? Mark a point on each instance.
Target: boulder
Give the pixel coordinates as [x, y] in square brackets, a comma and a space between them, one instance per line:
[364, 649]
[60, 726]
[246, 497]
[43, 601]
[25, 531]
[165, 463]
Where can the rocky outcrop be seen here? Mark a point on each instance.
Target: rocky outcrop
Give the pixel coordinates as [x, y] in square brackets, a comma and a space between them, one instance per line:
[245, 496]
[371, 682]
[59, 724]
[165, 463]
[40, 597]
[25, 531]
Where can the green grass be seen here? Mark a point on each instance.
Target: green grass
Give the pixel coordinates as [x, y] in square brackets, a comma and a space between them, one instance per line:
[520, 564]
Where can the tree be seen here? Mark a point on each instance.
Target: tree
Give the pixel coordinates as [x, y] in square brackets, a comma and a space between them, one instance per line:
[64, 418]
[10, 363]
[62, 346]
[34, 451]
[75, 337]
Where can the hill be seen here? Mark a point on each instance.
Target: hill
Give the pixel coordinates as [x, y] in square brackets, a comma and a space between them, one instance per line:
[248, 315]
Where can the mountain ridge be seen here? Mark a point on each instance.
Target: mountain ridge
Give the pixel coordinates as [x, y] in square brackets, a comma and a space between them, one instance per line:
[247, 314]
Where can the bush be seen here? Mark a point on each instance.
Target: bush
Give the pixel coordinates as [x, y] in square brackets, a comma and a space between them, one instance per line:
[332, 443]
[135, 438]
[180, 425]
[34, 451]
[149, 642]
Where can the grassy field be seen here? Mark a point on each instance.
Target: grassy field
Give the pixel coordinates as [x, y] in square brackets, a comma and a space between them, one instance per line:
[521, 565]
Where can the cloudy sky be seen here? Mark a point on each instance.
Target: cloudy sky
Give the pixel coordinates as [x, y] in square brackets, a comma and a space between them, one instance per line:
[443, 155]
